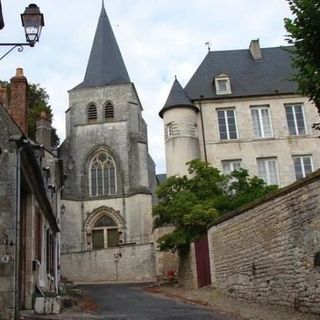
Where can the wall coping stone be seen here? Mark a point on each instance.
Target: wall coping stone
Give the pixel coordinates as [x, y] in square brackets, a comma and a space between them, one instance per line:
[274, 195]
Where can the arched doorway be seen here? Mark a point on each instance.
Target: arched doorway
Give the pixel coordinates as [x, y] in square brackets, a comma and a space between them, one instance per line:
[105, 233]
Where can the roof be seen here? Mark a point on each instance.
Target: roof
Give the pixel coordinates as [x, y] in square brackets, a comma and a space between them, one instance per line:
[105, 65]
[13, 128]
[161, 177]
[177, 98]
[248, 77]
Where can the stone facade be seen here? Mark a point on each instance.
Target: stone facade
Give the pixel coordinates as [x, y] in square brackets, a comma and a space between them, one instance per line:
[104, 120]
[268, 251]
[259, 123]
[30, 186]
[125, 263]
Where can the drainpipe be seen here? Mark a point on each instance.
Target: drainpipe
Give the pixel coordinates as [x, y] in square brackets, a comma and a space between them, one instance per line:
[124, 210]
[203, 135]
[17, 232]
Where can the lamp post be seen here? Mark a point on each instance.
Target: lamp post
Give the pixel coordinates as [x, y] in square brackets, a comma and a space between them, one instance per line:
[32, 21]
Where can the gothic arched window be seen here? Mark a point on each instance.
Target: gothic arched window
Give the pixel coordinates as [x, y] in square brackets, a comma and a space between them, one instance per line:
[102, 175]
[92, 113]
[108, 111]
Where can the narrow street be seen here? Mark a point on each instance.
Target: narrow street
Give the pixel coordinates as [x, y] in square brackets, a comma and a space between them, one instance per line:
[132, 302]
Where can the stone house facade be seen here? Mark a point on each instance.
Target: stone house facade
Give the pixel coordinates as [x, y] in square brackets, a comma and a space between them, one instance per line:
[30, 185]
[241, 109]
[110, 176]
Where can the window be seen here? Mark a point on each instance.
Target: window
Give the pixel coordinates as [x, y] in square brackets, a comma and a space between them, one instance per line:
[38, 236]
[170, 130]
[102, 175]
[268, 170]
[302, 166]
[109, 111]
[222, 84]
[261, 122]
[92, 113]
[230, 165]
[227, 124]
[295, 119]
[105, 233]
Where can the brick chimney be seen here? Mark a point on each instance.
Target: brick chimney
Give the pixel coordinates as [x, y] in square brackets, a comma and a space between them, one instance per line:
[255, 50]
[19, 100]
[43, 131]
[3, 96]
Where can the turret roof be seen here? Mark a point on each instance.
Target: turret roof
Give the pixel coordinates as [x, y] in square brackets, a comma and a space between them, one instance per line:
[177, 98]
[105, 65]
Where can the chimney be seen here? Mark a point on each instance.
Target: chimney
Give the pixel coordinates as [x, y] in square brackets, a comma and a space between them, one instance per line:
[43, 131]
[18, 100]
[255, 50]
[3, 96]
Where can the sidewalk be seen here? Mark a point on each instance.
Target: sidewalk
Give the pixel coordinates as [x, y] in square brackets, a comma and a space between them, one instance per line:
[241, 309]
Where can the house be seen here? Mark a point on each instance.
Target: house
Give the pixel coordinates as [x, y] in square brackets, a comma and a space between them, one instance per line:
[110, 176]
[241, 109]
[30, 187]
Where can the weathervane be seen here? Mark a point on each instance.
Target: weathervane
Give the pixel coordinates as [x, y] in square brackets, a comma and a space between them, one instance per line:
[208, 45]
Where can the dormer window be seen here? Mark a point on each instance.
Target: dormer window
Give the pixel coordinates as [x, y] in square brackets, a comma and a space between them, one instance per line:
[92, 113]
[222, 84]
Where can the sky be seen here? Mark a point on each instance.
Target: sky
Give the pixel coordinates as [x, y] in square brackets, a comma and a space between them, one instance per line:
[158, 40]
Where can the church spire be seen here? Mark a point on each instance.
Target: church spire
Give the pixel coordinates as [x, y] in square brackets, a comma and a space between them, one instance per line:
[105, 65]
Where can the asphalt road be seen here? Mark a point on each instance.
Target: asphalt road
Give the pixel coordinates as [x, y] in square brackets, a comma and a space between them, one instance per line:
[131, 302]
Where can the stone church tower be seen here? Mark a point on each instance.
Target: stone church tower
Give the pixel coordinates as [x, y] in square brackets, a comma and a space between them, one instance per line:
[110, 176]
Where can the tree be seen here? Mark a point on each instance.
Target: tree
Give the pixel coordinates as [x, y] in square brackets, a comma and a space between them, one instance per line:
[304, 34]
[192, 204]
[38, 101]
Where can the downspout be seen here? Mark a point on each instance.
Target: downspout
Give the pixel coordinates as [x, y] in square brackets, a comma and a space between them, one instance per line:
[203, 135]
[124, 210]
[17, 232]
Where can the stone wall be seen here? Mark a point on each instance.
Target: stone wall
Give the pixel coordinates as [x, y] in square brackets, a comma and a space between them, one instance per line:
[266, 251]
[125, 263]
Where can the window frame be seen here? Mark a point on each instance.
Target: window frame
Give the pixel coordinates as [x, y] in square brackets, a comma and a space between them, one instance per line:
[267, 169]
[108, 111]
[225, 110]
[92, 115]
[105, 233]
[296, 129]
[222, 77]
[262, 130]
[303, 169]
[93, 161]
[231, 162]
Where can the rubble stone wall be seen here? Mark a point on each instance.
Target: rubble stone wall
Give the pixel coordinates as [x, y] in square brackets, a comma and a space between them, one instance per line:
[267, 252]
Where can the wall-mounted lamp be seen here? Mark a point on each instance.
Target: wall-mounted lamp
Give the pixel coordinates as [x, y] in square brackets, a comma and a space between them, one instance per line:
[32, 21]
[62, 209]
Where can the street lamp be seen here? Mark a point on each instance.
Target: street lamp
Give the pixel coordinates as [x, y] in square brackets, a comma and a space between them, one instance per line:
[32, 21]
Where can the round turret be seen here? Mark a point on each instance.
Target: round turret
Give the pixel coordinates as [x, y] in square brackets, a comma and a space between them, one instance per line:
[180, 130]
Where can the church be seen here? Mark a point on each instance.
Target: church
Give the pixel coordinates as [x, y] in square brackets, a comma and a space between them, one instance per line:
[109, 175]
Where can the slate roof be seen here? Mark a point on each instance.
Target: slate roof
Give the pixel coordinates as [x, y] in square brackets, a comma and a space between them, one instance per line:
[105, 65]
[177, 98]
[248, 77]
[160, 178]
[12, 127]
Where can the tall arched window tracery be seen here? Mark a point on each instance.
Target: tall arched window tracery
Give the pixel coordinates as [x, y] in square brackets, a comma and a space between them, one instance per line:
[102, 175]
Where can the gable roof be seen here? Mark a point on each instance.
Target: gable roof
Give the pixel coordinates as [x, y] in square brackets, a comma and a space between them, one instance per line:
[177, 98]
[105, 65]
[248, 77]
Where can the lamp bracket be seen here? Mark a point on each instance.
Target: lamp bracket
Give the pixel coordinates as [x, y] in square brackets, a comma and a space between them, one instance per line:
[19, 47]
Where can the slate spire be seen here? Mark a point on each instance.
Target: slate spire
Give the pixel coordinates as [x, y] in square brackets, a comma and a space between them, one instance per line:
[105, 65]
[177, 98]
